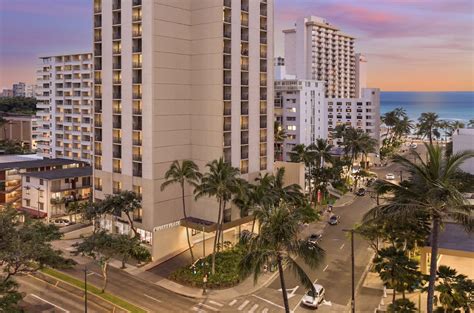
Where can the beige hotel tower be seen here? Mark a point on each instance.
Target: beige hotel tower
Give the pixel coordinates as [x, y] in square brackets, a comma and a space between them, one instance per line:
[179, 79]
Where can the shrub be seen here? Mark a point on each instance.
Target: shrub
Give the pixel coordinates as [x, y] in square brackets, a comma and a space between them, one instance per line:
[226, 276]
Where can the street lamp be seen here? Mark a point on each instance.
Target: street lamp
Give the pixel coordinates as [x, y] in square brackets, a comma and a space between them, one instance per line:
[353, 268]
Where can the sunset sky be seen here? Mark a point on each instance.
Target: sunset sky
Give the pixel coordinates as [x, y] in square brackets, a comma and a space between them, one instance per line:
[411, 44]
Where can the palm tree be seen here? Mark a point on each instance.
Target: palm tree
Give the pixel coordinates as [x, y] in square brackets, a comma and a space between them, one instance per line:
[322, 152]
[452, 127]
[306, 155]
[403, 127]
[125, 202]
[181, 173]
[428, 126]
[470, 123]
[220, 182]
[280, 135]
[278, 241]
[429, 191]
[354, 143]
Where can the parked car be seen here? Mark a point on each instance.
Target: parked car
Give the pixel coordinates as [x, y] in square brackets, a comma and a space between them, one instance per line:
[333, 220]
[61, 222]
[314, 238]
[390, 176]
[413, 145]
[313, 300]
[360, 192]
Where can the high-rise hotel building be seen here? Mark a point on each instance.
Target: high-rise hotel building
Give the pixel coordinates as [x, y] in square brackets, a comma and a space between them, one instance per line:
[179, 80]
[317, 50]
[64, 94]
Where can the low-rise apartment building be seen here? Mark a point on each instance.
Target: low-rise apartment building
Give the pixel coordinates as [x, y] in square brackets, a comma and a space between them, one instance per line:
[64, 94]
[13, 166]
[48, 194]
[19, 127]
[463, 139]
[359, 113]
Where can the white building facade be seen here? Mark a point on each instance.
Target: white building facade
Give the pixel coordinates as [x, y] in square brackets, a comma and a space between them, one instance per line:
[64, 94]
[179, 80]
[301, 112]
[463, 139]
[359, 113]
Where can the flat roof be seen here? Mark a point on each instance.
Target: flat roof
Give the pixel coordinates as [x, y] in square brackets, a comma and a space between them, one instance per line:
[455, 237]
[32, 163]
[61, 173]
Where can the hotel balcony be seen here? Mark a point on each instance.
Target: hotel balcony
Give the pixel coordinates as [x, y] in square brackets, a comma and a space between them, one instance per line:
[227, 108]
[136, 2]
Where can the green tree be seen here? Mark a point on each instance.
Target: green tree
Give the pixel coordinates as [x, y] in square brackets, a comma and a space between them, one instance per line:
[102, 247]
[186, 172]
[428, 126]
[430, 190]
[455, 291]
[125, 202]
[278, 241]
[18, 105]
[402, 306]
[397, 271]
[9, 296]
[322, 152]
[220, 181]
[305, 154]
[279, 135]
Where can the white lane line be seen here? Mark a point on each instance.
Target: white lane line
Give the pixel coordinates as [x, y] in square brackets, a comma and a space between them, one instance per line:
[46, 301]
[152, 298]
[231, 303]
[208, 307]
[216, 303]
[255, 306]
[325, 268]
[341, 247]
[197, 310]
[268, 301]
[243, 305]
[265, 310]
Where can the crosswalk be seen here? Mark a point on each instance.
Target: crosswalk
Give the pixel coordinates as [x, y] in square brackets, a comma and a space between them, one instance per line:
[250, 305]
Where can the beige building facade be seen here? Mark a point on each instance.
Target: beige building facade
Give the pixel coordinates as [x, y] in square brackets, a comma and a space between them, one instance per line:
[179, 80]
[19, 127]
[64, 94]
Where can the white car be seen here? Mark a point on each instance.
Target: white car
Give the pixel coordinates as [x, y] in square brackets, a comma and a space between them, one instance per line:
[312, 300]
[390, 176]
[413, 145]
[60, 222]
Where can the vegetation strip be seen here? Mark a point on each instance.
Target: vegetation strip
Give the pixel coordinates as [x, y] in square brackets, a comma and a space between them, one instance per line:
[94, 290]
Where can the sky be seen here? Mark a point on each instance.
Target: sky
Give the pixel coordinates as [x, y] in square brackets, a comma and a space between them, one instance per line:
[411, 45]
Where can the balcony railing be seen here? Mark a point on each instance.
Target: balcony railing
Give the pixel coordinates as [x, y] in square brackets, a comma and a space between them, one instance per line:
[137, 95]
[228, 3]
[227, 96]
[137, 141]
[137, 157]
[117, 139]
[137, 2]
[137, 64]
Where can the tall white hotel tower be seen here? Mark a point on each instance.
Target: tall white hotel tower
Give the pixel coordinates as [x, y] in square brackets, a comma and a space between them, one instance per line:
[174, 80]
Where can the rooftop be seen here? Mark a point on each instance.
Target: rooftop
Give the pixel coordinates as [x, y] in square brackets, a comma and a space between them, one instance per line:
[455, 237]
[62, 173]
[20, 161]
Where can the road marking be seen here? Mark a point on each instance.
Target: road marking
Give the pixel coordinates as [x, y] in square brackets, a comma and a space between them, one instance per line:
[340, 248]
[243, 305]
[268, 301]
[255, 306]
[231, 303]
[151, 298]
[216, 303]
[46, 301]
[292, 293]
[265, 310]
[208, 307]
[197, 310]
[326, 268]
[328, 303]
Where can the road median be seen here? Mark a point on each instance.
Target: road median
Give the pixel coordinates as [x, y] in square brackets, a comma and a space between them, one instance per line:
[76, 286]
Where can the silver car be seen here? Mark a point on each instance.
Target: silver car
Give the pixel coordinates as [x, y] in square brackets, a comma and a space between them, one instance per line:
[313, 300]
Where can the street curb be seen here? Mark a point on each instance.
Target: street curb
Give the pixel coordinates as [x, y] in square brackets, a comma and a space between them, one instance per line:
[361, 280]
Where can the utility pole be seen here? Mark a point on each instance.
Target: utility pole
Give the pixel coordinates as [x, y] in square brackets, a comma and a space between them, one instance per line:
[353, 268]
[401, 175]
[85, 288]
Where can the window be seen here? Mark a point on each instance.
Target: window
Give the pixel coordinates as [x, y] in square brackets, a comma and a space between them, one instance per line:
[41, 182]
[117, 187]
[137, 189]
[27, 179]
[27, 191]
[27, 202]
[41, 206]
[41, 193]
[97, 183]
[291, 118]
[291, 127]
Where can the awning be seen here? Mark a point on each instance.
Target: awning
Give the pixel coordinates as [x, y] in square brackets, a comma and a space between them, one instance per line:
[34, 213]
[209, 226]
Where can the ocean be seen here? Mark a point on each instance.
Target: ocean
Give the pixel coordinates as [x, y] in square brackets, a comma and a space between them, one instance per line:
[448, 105]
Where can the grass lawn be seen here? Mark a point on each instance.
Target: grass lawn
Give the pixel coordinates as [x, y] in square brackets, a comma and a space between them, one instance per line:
[94, 290]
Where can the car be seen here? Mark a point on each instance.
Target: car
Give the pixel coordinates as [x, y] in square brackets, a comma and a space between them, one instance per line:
[313, 300]
[413, 145]
[61, 222]
[390, 176]
[360, 192]
[314, 238]
[333, 220]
